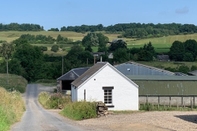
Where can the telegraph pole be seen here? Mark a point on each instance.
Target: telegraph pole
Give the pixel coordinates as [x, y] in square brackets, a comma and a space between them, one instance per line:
[62, 65]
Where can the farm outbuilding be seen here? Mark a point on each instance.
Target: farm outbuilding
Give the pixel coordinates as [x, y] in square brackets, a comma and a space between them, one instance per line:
[103, 82]
[133, 68]
[66, 79]
[153, 80]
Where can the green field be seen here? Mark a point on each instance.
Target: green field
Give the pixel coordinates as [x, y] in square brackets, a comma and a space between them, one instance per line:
[161, 44]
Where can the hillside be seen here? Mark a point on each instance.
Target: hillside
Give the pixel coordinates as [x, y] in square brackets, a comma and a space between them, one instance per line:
[161, 44]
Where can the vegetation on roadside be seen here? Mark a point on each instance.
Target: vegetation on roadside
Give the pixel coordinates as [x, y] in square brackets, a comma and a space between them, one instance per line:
[13, 82]
[11, 108]
[80, 110]
[53, 101]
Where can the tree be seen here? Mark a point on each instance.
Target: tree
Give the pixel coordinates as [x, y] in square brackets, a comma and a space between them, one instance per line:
[191, 47]
[6, 51]
[188, 57]
[148, 47]
[31, 60]
[145, 55]
[55, 48]
[121, 55]
[103, 40]
[91, 39]
[177, 51]
[116, 44]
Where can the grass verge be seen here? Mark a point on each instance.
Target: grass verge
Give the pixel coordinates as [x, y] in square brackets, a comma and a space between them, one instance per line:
[11, 108]
[80, 110]
[13, 82]
[53, 101]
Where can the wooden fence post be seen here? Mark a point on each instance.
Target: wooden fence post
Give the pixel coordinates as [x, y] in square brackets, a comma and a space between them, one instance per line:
[146, 99]
[169, 101]
[158, 101]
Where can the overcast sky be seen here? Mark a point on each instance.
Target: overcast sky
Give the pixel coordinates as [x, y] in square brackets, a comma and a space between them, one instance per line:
[59, 13]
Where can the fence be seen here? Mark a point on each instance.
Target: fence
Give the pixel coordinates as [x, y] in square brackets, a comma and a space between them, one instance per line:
[169, 100]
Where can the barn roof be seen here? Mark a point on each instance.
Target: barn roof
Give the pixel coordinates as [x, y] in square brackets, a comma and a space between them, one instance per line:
[133, 68]
[161, 78]
[73, 74]
[88, 73]
[94, 69]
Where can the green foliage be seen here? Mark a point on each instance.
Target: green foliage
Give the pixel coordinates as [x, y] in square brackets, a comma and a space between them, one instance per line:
[15, 82]
[80, 110]
[186, 51]
[121, 55]
[53, 101]
[62, 40]
[95, 39]
[43, 48]
[191, 47]
[55, 48]
[53, 29]
[11, 108]
[193, 67]
[188, 57]
[20, 27]
[31, 60]
[183, 69]
[38, 39]
[116, 44]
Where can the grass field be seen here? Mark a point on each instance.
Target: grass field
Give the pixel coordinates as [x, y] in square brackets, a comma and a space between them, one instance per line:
[161, 44]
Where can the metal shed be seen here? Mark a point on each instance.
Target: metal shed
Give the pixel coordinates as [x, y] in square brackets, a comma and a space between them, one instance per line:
[66, 79]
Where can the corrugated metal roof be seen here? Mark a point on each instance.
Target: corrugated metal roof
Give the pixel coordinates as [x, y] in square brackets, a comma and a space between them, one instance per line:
[132, 68]
[88, 73]
[73, 74]
[161, 78]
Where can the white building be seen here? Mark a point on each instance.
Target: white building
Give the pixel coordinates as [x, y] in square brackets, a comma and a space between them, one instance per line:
[103, 82]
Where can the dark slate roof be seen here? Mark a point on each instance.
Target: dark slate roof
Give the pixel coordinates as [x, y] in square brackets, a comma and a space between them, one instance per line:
[73, 74]
[194, 73]
[163, 57]
[133, 68]
[88, 73]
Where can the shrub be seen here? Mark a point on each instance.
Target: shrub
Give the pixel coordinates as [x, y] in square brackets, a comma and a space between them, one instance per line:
[53, 101]
[55, 48]
[80, 110]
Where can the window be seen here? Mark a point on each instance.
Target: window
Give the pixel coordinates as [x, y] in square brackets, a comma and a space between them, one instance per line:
[108, 95]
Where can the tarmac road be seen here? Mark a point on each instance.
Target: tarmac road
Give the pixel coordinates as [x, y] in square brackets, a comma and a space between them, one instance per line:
[37, 118]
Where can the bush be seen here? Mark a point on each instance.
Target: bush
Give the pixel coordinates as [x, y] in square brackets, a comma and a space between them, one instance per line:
[55, 48]
[53, 101]
[80, 110]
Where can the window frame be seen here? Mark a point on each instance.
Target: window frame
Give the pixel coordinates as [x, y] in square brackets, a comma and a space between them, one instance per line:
[109, 103]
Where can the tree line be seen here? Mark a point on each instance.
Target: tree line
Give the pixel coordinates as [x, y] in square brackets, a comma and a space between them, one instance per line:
[137, 30]
[20, 27]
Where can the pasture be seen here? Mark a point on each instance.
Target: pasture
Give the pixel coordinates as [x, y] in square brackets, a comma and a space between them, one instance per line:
[161, 44]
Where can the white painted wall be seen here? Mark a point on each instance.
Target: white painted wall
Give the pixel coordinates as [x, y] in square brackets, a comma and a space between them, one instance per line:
[125, 94]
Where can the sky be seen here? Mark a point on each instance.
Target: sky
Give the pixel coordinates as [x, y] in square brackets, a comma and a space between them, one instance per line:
[59, 13]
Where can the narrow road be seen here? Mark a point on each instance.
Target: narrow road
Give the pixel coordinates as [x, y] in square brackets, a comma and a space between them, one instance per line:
[36, 118]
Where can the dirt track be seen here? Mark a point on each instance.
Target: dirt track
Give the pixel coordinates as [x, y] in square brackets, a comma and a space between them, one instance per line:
[146, 121]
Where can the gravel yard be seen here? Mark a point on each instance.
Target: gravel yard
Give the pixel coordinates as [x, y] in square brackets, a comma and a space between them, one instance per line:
[145, 121]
